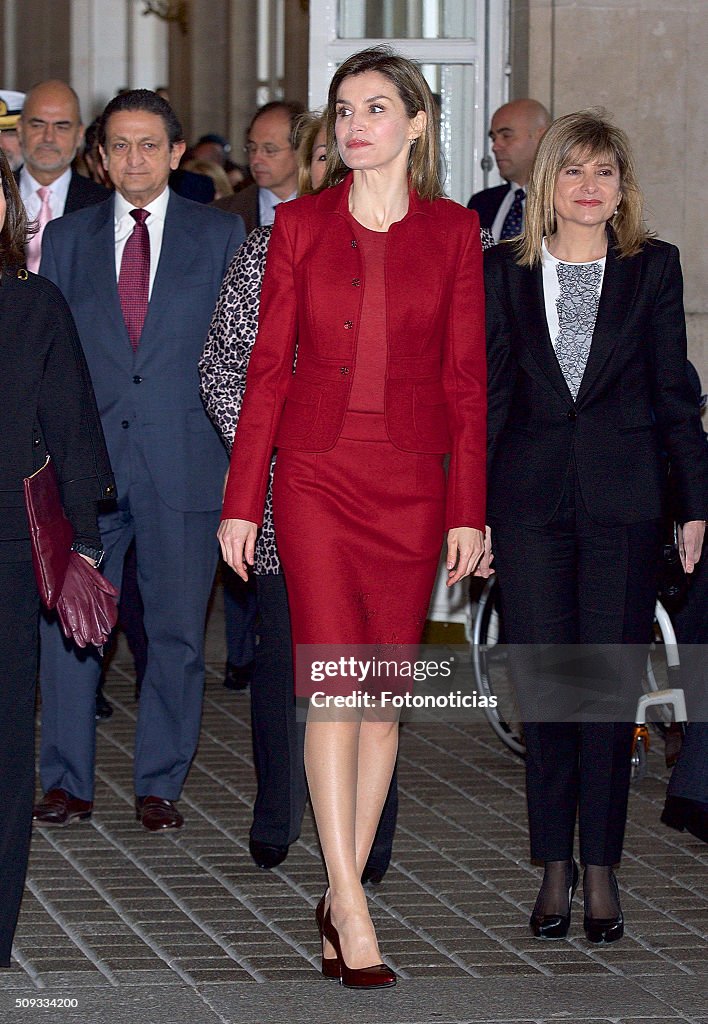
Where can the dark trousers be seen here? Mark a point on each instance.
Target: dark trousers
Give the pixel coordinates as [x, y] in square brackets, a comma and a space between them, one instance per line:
[240, 611]
[19, 613]
[278, 738]
[574, 581]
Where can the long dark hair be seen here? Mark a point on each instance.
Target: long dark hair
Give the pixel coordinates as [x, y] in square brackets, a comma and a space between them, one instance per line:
[16, 228]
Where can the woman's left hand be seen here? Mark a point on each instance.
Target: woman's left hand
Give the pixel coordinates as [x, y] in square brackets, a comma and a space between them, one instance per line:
[465, 547]
[690, 543]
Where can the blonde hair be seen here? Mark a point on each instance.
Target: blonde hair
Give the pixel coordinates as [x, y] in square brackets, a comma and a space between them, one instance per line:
[306, 131]
[218, 175]
[415, 94]
[584, 135]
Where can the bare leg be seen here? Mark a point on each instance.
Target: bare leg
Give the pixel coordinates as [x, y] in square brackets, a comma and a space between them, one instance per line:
[349, 766]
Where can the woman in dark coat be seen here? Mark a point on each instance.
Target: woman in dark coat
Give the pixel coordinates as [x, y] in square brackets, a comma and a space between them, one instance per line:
[46, 406]
[587, 392]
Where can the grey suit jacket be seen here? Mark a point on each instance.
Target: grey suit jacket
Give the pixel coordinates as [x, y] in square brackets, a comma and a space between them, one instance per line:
[150, 396]
[245, 204]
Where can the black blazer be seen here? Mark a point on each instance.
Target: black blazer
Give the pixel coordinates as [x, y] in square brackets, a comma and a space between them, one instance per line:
[46, 405]
[634, 406]
[82, 192]
[487, 203]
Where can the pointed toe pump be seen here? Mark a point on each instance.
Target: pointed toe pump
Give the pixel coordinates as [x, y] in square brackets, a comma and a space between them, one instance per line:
[554, 926]
[376, 976]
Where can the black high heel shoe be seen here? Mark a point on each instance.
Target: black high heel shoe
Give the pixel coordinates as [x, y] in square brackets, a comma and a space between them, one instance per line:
[604, 929]
[330, 964]
[554, 926]
[377, 976]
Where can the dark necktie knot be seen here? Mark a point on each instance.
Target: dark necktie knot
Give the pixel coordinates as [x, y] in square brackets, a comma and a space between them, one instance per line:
[520, 194]
[140, 216]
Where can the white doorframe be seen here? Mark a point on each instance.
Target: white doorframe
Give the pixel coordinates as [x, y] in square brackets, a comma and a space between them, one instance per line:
[486, 53]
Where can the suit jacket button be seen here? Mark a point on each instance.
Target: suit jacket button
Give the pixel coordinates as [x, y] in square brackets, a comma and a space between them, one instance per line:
[109, 490]
[354, 243]
[125, 424]
[348, 324]
[356, 282]
[137, 379]
[572, 415]
[344, 369]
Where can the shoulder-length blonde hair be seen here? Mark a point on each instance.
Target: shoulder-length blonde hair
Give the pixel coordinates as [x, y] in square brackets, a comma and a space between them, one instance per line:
[306, 131]
[415, 93]
[584, 135]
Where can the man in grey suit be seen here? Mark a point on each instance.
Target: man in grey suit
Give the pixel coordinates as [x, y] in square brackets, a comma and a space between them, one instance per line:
[50, 131]
[141, 274]
[273, 163]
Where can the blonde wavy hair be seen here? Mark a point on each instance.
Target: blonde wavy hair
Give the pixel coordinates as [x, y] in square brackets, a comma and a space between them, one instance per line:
[575, 138]
[306, 131]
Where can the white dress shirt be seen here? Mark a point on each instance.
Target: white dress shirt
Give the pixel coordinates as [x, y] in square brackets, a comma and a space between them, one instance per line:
[124, 224]
[267, 202]
[57, 199]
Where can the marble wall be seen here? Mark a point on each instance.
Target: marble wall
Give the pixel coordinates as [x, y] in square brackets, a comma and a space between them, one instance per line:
[646, 61]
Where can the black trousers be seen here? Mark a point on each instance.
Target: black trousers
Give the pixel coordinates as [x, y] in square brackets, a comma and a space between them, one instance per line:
[574, 581]
[19, 619]
[278, 738]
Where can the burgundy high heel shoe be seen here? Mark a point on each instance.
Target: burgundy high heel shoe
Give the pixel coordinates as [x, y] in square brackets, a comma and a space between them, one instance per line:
[377, 976]
[330, 964]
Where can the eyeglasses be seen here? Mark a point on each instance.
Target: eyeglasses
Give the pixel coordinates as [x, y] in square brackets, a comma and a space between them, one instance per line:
[268, 149]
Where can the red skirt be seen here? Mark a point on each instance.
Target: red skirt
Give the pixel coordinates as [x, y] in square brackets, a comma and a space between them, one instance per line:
[359, 531]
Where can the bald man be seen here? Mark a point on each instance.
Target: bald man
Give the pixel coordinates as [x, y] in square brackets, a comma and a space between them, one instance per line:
[516, 131]
[50, 132]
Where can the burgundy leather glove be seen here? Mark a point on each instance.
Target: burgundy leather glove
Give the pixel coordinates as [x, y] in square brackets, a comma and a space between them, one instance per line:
[87, 606]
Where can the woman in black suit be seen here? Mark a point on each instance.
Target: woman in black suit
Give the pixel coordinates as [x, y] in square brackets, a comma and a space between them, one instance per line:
[587, 391]
[46, 405]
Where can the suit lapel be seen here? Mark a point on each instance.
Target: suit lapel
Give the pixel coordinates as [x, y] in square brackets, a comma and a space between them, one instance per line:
[531, 313]
[619, 286]
[177, 255]
[99, 253]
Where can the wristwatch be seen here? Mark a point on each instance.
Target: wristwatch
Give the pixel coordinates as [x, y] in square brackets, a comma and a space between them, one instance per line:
[84, 549]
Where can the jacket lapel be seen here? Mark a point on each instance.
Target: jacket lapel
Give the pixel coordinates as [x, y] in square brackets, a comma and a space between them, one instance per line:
[99, 254]
[531, 313]
[176, 257]
[619, 286]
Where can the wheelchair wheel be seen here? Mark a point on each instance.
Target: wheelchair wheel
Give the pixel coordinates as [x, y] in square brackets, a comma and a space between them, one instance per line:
[490, 668]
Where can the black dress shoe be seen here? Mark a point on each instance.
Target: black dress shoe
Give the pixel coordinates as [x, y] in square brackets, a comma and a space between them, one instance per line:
[692, 815]
[238, 677]
[373, 874]
[104, 709]
[58, 808]
[156, 814]
[267, 855]
[604, 929]
[554, 926]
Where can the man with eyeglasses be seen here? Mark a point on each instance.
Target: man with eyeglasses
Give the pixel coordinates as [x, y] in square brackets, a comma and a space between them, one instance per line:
[273, 164]
[50, 132]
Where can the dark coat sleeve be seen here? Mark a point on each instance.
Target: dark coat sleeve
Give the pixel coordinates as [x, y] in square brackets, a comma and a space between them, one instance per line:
[71, 427]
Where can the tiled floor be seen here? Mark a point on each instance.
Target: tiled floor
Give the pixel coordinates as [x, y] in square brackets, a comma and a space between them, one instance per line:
[141, 928]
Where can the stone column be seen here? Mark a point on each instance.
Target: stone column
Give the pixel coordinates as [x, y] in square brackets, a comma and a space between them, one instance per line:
[646, 61]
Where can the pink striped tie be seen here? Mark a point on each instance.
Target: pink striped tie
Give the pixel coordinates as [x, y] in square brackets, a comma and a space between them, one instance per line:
[34, 246]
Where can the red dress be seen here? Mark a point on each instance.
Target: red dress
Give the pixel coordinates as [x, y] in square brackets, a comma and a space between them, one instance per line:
[360, 527]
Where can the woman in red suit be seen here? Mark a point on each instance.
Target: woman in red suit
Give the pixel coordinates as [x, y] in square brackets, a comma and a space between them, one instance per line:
[377, 280]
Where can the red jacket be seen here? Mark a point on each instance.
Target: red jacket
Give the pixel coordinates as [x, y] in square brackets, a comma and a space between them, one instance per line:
[435, 392]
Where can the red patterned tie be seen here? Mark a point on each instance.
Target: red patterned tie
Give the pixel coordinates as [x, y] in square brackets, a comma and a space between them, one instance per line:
[134, 277]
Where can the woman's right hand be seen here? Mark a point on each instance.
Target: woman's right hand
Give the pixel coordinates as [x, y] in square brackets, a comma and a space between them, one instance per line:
[238, 544]
[484, 569]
